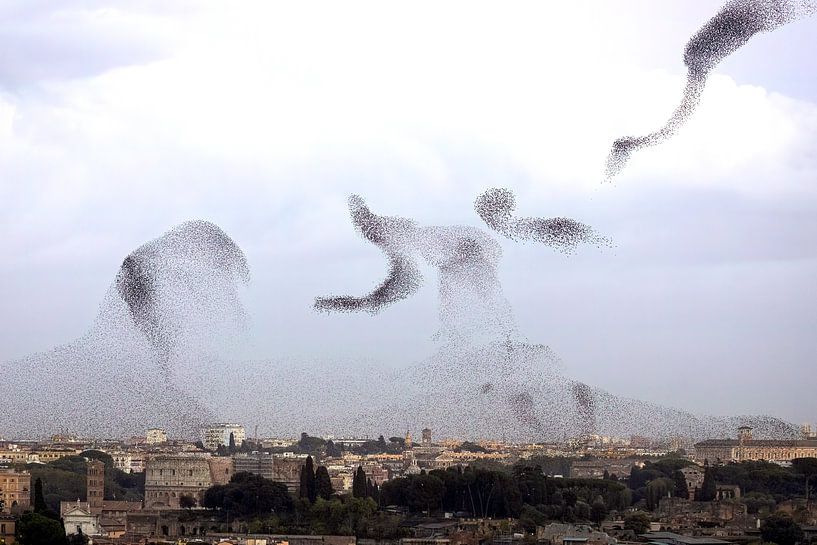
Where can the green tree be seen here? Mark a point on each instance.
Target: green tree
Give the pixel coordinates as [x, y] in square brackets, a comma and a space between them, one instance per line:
[231, 444]
[426, 492]
[757, 502]
[708, 490]
[310, 445]
[657, 489]
[58, 485]
[531, 517]
[78, 539]
[807, 467]
[582, 511]
[598, 510]
[781, 529]
[681, 488]
[638, 522]
[468, 446]
[248, 494]
[381, 444]
[35, 529]
[359, 483]
[186, 501]
[332, 450]
[39, 499]
[323, 484]
[307, 482]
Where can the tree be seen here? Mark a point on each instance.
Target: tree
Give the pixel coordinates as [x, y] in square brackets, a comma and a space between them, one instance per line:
[598, 510]
[708, 490]
[531, 517]
[35, 529]
[807, 467]
[657, 489]
[381, 444]
[359, 483]
[78, 539]
[681, 488]
[248, 494]
[757, 502]
[468, 446]
[638, 522]
[307, 486]
[310, 445]
[781, 529]
[323, 484]
[231, 445]
[186, 501]
[332, 450]
[39, 499]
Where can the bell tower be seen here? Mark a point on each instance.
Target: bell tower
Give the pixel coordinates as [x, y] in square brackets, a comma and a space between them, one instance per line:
[96, 486]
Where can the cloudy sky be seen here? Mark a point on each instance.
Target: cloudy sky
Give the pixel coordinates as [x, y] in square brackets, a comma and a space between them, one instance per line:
[118, 123]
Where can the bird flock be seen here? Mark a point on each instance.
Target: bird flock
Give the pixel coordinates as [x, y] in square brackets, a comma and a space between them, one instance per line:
[150, 358]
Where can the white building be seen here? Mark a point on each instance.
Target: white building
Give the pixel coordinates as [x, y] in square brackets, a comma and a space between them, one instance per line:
[155, 436]
[219, 434]
[129, 462]
[77, 516]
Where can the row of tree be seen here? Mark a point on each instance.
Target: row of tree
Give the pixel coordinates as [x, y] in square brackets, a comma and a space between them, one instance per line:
[763, 484]
[494, 493]
[314, 483]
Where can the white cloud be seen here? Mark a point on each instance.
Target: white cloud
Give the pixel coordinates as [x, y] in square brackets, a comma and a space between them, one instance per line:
[264, 118]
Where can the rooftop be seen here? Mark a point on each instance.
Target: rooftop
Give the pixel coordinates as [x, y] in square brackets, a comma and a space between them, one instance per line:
[662, 538]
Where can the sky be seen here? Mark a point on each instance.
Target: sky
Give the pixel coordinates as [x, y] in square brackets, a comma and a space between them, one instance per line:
[118, 123]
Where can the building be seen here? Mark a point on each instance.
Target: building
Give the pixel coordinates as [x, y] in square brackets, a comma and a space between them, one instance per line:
[95, 479]
[426, 441]
[375, 472]
[15, 490]
[25, 456]
[595, 469]
[8, 524]
[129, 462]
[156, 436]
[287, 470]
[219, 434]
[76, 516]
[168, 477]
[569, 534]
[694, 478]
[258, 463]
[96, 515]
[747, 448]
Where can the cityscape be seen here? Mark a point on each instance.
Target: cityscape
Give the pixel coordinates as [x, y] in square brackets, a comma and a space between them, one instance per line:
[424, 273]
[230, 486]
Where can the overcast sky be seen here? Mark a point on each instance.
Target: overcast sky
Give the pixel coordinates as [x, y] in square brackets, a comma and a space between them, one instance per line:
[118, 123]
